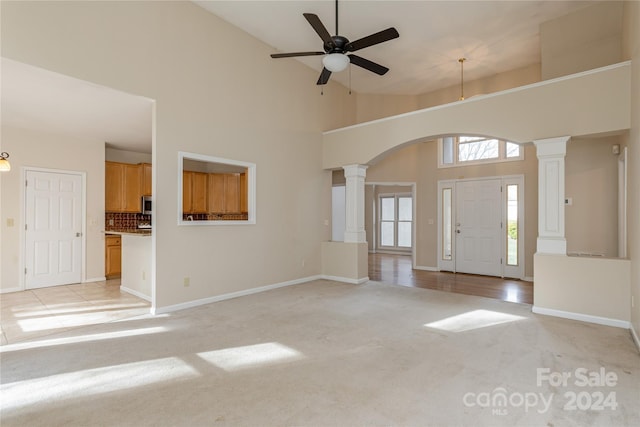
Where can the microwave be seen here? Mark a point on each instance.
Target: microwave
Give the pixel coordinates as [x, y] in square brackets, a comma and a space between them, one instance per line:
[147, 202]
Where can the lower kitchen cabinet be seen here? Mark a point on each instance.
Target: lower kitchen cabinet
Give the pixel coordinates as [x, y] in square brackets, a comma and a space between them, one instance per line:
[113, 256]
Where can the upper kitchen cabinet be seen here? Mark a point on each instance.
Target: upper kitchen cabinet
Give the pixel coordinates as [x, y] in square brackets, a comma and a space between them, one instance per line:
[194, 190]
[123, 187]
[227, 193]
[146, 179]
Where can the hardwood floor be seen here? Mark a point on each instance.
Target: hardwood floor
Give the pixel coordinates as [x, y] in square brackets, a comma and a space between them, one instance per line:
[397, 269]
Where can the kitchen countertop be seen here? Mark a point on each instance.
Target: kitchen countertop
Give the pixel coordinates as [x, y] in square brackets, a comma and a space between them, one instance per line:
[130, 232]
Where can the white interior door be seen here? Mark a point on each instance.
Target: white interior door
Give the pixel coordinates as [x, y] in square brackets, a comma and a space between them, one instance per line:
[53, 234]
[478, 227]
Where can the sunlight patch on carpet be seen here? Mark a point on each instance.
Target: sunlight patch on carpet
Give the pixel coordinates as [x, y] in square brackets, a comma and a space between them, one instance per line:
[473, 320]
[251, 356]
[90, 382]
[81, 338]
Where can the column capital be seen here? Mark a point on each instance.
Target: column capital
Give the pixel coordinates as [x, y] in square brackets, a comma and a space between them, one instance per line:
[551, 146]
[355, 170]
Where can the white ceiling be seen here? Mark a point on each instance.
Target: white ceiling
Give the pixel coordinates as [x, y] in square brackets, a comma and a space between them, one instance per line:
[494, 36]
[38, 99]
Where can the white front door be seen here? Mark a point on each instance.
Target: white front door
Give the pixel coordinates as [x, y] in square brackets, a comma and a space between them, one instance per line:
[53, 234]
[478, 228]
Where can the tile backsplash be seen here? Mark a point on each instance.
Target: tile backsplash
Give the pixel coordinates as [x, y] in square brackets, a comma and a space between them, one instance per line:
[124, 221]
[216, 217]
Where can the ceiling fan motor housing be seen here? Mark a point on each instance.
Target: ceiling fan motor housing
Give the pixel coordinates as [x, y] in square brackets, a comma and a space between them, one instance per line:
[337, 44]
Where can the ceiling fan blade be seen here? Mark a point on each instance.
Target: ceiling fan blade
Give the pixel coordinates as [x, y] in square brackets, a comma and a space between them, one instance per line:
[368, 65]
[324, 77]
[292, 54]
[318, 26]
[373, 39]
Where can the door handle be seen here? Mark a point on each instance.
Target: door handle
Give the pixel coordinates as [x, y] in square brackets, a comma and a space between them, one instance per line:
[78, 234]
[458, 231]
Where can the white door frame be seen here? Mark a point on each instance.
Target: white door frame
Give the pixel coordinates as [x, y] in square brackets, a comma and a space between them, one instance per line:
[507, 271]
[23, 219]
[414, 194]
[377, 245]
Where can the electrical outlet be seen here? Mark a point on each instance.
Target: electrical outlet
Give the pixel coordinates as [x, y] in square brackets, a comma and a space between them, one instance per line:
[144, 275]
[9, 222]
[633, 303]
[187, 281]
[303, 262]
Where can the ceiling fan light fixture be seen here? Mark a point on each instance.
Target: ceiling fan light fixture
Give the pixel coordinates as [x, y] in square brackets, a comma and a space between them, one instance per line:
[5, 166]
[335, 62]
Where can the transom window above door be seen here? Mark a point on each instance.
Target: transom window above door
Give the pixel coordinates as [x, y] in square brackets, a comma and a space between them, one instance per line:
[463, 150]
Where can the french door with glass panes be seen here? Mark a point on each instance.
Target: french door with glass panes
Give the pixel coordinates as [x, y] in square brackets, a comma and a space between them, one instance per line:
[395, 222]
[481, 226]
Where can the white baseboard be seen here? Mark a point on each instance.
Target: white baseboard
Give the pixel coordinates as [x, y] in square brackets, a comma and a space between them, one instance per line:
[203, 301]
[582, 317]
[135, 293]
[95, 279]
[421, 267]
[346, 279]
[390, 252]
[528, 278]
[8, 290]
[635, 337]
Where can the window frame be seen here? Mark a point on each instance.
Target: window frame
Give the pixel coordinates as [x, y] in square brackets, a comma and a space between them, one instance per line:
[396, 221]
[502, 152]
[251, 189]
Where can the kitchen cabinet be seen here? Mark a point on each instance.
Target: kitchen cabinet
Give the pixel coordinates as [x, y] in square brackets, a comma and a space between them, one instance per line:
[113, 256]
[232, 193]
[225, 193]
[146, 179]
[123, 187]
[194, 192]
[216, 193]
[244, 193]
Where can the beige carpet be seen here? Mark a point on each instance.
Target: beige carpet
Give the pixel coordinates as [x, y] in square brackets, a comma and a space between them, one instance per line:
[326, 353]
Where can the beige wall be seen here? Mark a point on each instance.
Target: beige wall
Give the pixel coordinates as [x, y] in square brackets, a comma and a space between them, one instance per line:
[496, 83]
[583, 40]
[583, 104]
[371, 107]
[40, 150]
[591, 181]
[631, 49]
[228, 100]
[591, 287]
[345, 261]
[125, 156]
[418, 163]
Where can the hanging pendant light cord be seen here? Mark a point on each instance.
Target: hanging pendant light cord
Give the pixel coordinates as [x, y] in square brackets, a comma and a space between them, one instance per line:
[461, 61]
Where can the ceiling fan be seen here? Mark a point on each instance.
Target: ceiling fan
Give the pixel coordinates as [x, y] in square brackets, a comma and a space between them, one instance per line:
[336, 49]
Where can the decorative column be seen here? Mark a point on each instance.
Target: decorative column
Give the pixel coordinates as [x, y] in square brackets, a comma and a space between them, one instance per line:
[354, 203]
[551, 153]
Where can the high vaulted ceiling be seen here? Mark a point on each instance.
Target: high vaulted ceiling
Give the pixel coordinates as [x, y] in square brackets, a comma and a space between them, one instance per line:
[494, 36]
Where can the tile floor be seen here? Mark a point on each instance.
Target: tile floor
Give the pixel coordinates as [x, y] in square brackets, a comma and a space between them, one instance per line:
[40, 312]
